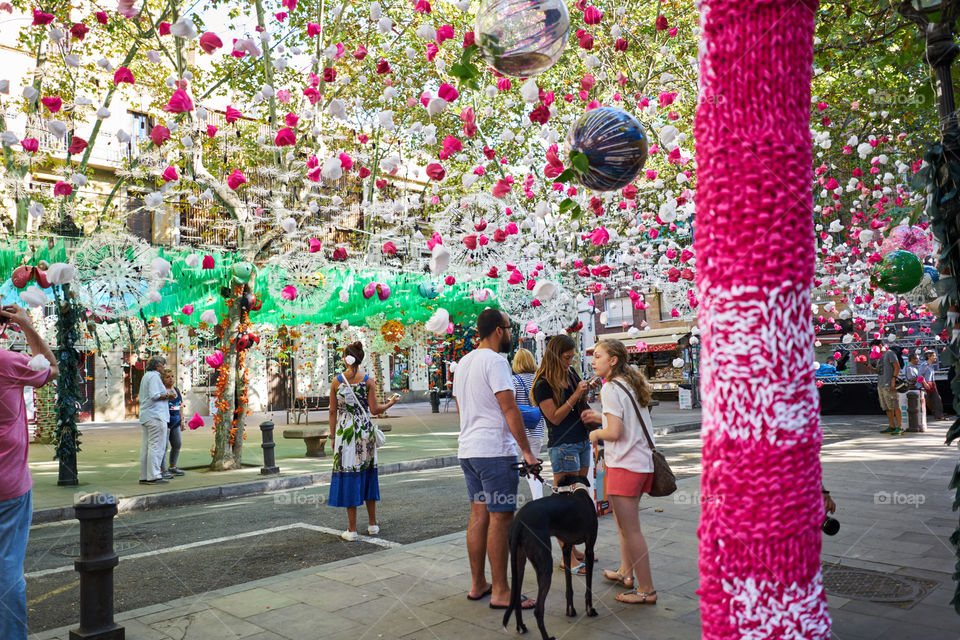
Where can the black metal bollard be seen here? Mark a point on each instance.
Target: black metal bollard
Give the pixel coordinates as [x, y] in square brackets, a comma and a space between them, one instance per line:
[434, 401]
[95, 511]
[269, 467]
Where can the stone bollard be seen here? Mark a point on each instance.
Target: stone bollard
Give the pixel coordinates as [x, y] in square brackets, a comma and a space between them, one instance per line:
[269, 467]
[95, 511]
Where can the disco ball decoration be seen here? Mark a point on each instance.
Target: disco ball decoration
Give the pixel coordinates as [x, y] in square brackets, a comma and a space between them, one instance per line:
[899, 272]
[522, 38]
[614, 143]
[913, 239]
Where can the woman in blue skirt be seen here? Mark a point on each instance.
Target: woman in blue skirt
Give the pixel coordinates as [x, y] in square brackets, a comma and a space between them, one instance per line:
[352, 400]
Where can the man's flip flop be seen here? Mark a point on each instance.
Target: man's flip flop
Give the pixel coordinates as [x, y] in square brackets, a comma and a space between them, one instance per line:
[482, 595]
[525, 603]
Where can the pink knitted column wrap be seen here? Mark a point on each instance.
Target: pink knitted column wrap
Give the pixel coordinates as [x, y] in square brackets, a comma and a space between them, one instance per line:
[759, 529]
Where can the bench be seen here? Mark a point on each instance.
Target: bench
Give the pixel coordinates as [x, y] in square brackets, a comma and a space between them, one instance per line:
[316, 439]
[303, 406]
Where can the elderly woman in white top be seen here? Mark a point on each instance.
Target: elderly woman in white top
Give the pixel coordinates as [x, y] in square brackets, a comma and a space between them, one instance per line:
[624, 399]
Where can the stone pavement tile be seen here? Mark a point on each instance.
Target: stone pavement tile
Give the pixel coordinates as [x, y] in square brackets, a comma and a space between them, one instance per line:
[358, 573]
[301, 622]
[444, 551]
[136, 630]
[455, 629]
[647, 621]
[391, 615]
[914, 631]
[851, 625]
[138, 613]
[173, 612]
[266, 635]
[429, 568]
[244, 604]
[327, 595]
[204, 625]
[415, 591]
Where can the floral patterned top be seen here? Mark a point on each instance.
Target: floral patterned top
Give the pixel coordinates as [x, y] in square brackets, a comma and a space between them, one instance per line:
[354, 444]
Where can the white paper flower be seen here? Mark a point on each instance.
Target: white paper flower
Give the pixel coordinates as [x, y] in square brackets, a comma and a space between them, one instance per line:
[426, 32]
[544, 290]
[154, 297]
[332, 169]
[61, 273]
[39, 362]
[192, 260]
[438, 321]
[71, 60]
[57, 128]
[385, 118]
[289, 225]
[9, 138]
[36, 209]
[161, 267]
[529, 91]
[337, 109]
[435, 106]
[123, 136]
[209, 316]
[439, 259]
[153, 200]
[30, 93]
[184, 28]
[103, 113]
[34, 297]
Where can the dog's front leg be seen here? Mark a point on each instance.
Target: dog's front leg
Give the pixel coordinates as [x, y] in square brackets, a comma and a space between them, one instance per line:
[588, 556]
[567, 558]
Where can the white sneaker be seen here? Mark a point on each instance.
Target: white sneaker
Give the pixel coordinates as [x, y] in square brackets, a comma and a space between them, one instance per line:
[349, 536]
[373, 530]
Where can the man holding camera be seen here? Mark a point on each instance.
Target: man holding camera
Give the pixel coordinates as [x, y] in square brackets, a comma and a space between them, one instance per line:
[17, 370]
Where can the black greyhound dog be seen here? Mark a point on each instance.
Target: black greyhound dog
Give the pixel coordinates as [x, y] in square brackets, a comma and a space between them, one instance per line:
[571, 516]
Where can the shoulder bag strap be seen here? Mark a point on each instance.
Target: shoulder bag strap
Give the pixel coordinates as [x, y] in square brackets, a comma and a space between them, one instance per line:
[523, 384]
[639, 415]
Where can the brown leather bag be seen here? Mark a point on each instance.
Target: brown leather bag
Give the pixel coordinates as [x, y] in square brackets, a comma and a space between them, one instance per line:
[664, 482]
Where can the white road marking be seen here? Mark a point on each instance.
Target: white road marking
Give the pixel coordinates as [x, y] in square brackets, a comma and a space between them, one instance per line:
[380, 542]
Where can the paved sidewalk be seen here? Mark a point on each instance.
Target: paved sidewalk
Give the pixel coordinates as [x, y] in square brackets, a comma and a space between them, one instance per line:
[109, 459]
[896, 519]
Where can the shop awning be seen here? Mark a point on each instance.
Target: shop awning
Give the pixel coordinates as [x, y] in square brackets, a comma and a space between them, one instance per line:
[649, 341]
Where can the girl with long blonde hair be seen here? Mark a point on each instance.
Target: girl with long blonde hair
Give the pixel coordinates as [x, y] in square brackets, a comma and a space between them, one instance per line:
[629, 460]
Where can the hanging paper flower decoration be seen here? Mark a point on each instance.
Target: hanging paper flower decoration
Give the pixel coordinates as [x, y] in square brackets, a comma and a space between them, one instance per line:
[195, 422]
[289, 292]
[236, 179]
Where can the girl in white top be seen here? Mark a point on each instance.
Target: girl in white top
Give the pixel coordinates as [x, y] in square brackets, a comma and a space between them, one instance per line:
[629, 462]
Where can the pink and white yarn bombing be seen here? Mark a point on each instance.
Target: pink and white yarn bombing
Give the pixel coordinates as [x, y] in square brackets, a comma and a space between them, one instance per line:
[759, 533]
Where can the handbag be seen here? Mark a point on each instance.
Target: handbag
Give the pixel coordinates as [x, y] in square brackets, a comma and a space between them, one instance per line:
[901, 385]
[531, 415]
[664, 482]
[379, 437]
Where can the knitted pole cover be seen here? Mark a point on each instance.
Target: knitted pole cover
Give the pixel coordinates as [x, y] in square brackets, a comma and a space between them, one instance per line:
[761, 505]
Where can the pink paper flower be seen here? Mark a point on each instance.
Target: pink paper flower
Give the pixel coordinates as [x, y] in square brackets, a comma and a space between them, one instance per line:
[159, 134]
[179, 102]
[187, 310]
[501, 189]
[511, 229]
[313, 29]
[195, 422]
[208, 262]
[451, 145]
[170, 174]
[79, 31]
[215, 360]
[470, 241]
[285, 137]
[592, 15]
[383, 67]
[599, 236]
[102, 17]
[52, 103]
[62, 188]
[232, 115]
[30, 144]
[436, 172]
[346, 162]
[77, 145]
[122, 74]
[444, 33]
[315, 245]
[236, 179]
[389, 249]
[360, 53]
[210, 42]
[289, 292]
[449, 281]
[211, 130]
[163, 28]
[40, 18]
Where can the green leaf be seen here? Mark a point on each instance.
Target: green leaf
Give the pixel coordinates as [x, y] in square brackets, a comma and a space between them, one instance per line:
[569, 206]
[580, 162]
[566, 176]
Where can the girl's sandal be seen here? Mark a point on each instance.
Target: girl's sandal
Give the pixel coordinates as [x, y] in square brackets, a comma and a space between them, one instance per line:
[616, 576]
[644, 598]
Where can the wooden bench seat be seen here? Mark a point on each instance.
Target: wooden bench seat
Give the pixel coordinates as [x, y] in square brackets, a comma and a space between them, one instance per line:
[316, 439]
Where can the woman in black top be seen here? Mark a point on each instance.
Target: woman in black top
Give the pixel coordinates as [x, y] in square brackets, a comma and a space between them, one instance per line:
[560, 394]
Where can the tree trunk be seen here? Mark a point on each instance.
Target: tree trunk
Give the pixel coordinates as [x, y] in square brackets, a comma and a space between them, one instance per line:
[223, 454]
[761, 507]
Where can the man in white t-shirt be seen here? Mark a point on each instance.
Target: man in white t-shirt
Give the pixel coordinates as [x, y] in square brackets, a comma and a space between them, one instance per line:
[490, 429]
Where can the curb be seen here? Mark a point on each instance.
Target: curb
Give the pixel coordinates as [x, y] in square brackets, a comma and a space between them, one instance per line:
[276, 483]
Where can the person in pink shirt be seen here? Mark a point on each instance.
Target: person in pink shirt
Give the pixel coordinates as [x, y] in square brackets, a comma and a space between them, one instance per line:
[17, 370]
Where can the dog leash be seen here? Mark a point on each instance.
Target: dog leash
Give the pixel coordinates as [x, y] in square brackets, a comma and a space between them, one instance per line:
[532, 470]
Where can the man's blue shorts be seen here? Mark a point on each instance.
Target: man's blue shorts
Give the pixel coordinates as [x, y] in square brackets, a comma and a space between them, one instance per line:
[492, 482]
[570, 458]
